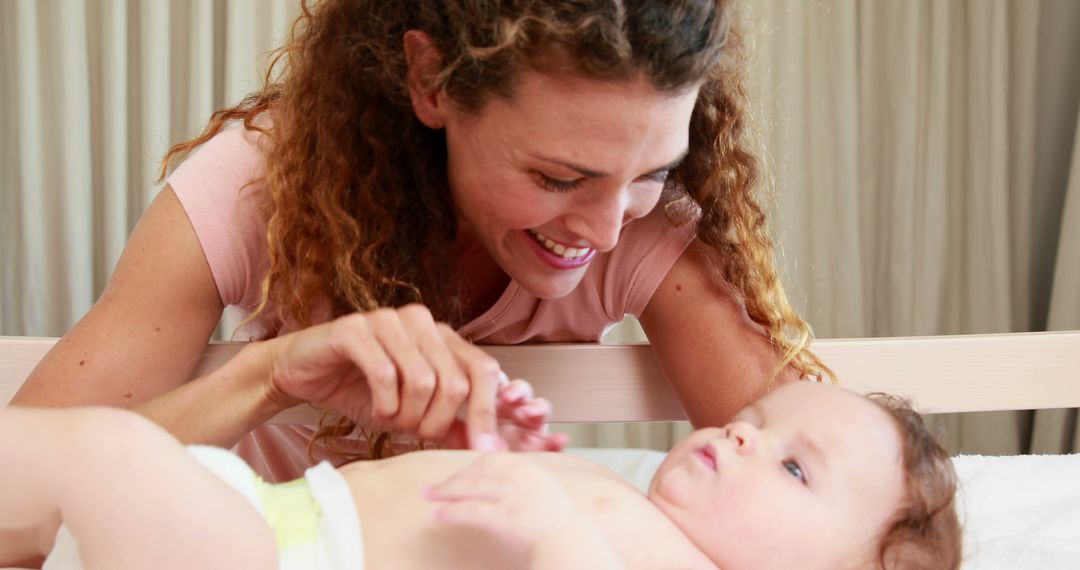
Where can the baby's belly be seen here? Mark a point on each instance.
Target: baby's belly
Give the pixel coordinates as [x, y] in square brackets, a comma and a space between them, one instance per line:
[400, 530]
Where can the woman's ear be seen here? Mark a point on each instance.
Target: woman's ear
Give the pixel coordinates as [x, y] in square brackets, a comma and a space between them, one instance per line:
[428, 100]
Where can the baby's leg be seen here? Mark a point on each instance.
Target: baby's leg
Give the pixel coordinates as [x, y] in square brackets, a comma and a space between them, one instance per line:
[132, 496]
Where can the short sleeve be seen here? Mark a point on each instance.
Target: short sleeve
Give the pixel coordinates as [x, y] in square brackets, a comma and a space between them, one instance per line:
[220, 188]
[647, 250]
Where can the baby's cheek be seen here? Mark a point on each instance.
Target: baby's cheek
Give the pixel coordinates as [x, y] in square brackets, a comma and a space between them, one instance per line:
[675, 488]
[730, 498]
[739, 499]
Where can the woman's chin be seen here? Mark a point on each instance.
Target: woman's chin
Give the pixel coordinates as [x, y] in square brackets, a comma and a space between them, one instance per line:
[549, 288]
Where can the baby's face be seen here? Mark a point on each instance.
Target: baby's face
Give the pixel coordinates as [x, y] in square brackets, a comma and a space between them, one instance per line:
[805, 477]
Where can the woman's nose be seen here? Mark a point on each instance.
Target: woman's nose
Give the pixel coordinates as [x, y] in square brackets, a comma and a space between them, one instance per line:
[600, 228]
[600, 220]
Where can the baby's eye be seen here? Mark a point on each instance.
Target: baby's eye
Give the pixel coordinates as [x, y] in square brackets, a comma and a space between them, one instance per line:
[795, 469]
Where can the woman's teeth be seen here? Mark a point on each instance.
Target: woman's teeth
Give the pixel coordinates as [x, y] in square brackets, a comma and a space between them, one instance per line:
[558, 248]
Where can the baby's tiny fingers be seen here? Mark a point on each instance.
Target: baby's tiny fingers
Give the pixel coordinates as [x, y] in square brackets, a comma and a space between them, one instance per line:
[532, 415]
[538, 408]
[515, 391]
[557, 441]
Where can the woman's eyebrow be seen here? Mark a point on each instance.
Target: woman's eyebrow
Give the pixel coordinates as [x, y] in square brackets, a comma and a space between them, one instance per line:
[590, 173]
[671, 165]
[582, 170]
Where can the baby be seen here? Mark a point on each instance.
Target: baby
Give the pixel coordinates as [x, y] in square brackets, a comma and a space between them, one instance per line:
[809, 476]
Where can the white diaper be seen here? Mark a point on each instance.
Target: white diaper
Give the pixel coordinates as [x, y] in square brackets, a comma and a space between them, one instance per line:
[313, 519]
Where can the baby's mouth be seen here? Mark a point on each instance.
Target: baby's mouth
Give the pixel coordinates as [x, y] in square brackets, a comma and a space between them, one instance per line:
[557, 248]
[707, 455]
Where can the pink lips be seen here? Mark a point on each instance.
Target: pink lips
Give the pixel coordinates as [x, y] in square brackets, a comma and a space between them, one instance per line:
[707, 455]
[558, 261]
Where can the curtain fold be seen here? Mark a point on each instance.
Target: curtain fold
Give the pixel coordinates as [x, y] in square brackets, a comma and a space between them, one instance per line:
[924, 157]
[98, 91]
[1057, 431]
[1055, 244]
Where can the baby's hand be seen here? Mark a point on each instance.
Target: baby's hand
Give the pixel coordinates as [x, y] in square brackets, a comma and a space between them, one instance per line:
[507, 496]
[522, 422]
[523, 419]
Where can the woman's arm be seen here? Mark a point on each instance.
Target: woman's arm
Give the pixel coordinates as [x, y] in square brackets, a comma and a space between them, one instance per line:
[142, 340]
[145, 334]
[715, 358]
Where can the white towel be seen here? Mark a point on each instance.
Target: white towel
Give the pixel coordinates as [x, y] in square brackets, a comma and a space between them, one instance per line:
[1020, 512]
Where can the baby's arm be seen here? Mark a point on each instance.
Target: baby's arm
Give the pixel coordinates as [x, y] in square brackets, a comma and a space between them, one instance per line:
[527, 510]
[131, 495]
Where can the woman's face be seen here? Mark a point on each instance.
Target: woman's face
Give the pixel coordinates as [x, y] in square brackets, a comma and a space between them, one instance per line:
[548, 179]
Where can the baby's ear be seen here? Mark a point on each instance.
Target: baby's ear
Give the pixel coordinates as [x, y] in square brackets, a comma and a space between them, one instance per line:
[904, 555]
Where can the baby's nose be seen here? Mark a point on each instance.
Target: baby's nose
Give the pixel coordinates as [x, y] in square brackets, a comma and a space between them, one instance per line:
[744, 435]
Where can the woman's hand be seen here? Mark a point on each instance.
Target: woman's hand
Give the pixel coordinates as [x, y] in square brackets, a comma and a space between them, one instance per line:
[402, 371]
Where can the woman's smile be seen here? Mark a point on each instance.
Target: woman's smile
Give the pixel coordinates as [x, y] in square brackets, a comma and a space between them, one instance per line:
[557, 254]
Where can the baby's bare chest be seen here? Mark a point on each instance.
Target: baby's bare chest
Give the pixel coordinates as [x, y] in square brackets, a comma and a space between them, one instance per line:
[400, 530]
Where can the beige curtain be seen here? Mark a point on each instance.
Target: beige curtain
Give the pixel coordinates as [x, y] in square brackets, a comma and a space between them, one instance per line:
[921, 153]
[1056, 431]
[93, 93]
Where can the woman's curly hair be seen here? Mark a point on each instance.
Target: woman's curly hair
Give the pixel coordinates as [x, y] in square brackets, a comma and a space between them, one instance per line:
[360, 215]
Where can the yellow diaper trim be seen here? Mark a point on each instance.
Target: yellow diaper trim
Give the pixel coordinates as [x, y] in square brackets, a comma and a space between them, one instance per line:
[291, 511]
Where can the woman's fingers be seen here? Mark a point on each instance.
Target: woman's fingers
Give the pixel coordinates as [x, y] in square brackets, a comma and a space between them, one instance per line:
[403, 370]
[481, 418]
[437, 373]
[319, 363]
[451, 391]
[416, 378]
[358, 340]
[423, 378]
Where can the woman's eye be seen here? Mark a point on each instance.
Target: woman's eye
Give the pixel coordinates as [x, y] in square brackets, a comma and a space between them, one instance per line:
[556, 185]
[795, 469]
[657, 177]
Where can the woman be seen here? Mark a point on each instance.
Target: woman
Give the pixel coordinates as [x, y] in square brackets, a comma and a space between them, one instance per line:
[527, 171]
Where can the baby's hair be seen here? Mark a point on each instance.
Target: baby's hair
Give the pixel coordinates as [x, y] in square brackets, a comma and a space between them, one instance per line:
[925, 531]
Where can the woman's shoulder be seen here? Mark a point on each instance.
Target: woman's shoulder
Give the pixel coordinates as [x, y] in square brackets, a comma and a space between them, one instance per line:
[220, 186]
[232, 159]
[628, 275]
[671, 221]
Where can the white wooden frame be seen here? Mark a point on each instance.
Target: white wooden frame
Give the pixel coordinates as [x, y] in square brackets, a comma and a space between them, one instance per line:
[599, 383]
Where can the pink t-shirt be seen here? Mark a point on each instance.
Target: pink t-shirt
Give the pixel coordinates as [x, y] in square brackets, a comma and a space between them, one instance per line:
[214, 186]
